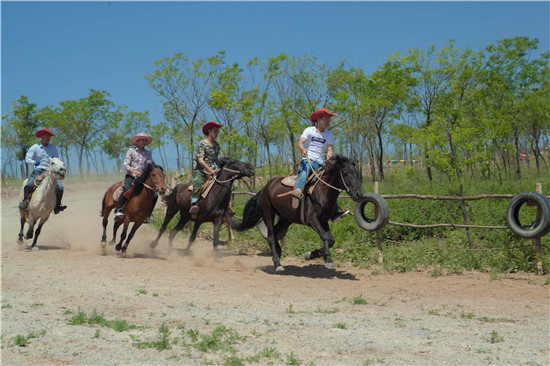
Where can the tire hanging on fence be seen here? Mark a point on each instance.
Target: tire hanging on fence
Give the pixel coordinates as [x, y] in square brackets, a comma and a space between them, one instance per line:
[535, 229]
[262, 228]
[381, 217]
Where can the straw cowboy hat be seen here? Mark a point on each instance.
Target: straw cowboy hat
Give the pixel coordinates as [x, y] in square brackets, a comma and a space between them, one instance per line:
[44, 131]
[321, 112]
[141, 136]
[209, 125]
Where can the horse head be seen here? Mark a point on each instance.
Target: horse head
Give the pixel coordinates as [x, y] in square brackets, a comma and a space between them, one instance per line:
[156, 175]
[243, 169]
[348, 176]
[57, 167]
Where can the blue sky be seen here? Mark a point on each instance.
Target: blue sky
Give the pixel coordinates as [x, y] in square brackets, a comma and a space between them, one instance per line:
[56, 51]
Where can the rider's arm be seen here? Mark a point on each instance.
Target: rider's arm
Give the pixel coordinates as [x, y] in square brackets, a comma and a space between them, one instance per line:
[329, 152]
[301, 146]
[30, 158]
[201, 161]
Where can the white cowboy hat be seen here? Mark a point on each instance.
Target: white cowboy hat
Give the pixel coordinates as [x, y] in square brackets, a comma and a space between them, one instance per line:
[141, 136]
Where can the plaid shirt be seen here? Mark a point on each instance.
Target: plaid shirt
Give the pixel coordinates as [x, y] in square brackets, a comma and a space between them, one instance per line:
[137, 160]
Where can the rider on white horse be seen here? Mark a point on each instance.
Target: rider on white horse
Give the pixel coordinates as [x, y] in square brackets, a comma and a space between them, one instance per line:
[39, 156]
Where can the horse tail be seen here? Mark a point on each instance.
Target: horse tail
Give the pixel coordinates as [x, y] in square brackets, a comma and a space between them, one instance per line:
[103, 204]
[252, 214]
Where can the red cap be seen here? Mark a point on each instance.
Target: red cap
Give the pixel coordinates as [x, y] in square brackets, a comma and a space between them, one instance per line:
[320, 113]
[44, 131]
[209, 125]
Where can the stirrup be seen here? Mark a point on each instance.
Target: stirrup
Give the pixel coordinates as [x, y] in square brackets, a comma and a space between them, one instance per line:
[297, 193]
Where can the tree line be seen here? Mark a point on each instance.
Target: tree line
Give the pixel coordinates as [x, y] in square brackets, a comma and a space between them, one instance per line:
[455, 109]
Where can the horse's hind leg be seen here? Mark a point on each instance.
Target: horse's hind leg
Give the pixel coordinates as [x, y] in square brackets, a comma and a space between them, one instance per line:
[105, 220]
[169, 215]
[20, 238]
[193, 234]
[217, 226]
[180, 225]
[115, 229]
[118, 247]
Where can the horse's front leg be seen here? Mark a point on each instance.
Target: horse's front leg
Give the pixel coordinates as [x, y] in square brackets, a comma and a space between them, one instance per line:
[30, 229]
[193, 234]
[104, 223]
[328, 241]
[37, 232]
[136, 226]
[115, 229]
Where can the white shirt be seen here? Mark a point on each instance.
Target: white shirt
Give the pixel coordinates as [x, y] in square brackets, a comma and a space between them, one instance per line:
[316, 143]
[41, 153]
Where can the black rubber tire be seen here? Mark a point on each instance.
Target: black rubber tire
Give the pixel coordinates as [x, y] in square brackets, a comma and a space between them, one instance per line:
[382, 208]
[541, 227]
[262, 228]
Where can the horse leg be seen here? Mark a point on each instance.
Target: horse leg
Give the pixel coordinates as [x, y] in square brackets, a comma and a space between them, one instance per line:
[122, 236]
[115, 229]
[193, 234]
[273, 244]
[37, 232]
[328, 241]
[20, 238]
[105, 217]
[169, 215]
[30, 230]
[180, 225]
[217, 226]
[136, 226]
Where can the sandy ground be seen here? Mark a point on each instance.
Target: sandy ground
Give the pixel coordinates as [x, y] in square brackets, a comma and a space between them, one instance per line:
[236, 310]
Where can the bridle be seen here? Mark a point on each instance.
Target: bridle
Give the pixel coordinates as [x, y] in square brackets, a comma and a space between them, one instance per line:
[347, 190]
[155, 188]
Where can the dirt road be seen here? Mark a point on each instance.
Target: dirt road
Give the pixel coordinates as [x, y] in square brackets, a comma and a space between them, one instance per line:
[236, 310]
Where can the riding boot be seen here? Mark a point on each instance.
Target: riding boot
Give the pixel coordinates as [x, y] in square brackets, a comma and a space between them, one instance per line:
[58, 207]
[26, 193]
[120, 203]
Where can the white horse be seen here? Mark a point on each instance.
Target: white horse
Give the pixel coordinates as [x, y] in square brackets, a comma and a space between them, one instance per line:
[43, 200]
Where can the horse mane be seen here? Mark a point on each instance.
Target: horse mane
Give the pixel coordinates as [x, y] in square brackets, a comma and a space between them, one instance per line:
[336, 162]
[138, 182]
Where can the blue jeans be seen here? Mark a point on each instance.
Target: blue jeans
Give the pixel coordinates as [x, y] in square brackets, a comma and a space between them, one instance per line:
[35, 172]
[305, 171]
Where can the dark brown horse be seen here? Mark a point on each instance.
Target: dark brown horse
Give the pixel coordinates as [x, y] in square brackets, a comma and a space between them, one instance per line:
[138, 208]
[211, 209]
[340, 175]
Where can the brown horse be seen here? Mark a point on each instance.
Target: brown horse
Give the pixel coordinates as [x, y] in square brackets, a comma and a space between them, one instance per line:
[340, 175]
[211, 209]
[138, 208]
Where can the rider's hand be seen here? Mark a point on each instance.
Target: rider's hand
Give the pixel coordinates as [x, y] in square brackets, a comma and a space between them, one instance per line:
[304, 153]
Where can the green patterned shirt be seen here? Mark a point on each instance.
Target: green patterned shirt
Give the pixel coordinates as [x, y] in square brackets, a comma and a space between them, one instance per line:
[208, 152]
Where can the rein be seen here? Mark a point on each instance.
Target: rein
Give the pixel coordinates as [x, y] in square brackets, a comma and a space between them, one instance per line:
[331, 186]
[227, 180]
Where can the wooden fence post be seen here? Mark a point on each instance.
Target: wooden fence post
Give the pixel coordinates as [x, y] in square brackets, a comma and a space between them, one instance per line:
[538, 247]
[378, 234]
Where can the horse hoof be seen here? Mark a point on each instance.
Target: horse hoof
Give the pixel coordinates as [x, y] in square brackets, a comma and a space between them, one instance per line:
[103, 244]
[280, 269]
[20, 241]
[153, 244]
[219, 260]
[329, 265]
[118, 247]
[33, 249]
[308, 256]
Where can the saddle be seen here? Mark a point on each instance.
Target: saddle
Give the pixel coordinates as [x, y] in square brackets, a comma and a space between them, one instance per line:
[206, 187]
[128, 194]
[290, 181]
